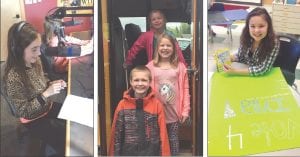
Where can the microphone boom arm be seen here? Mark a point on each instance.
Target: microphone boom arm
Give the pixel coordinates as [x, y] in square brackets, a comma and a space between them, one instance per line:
[62, 12]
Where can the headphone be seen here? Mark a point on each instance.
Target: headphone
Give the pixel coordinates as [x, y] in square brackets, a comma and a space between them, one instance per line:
[16, 36]
[20, 26]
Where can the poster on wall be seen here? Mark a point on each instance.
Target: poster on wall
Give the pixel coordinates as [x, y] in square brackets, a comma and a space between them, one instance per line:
[76, 3]
[32, 1]
[82, 3]
[28, 1]
[252, 2]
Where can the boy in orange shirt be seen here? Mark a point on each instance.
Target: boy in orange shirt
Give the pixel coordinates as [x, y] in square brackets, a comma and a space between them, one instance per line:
[139, 127]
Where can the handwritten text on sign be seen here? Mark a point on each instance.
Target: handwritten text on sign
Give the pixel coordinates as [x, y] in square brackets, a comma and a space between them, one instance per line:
[254, 115]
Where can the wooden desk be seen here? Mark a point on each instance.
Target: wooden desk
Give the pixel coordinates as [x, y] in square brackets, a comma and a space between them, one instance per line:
[264, 128]
[80, 138]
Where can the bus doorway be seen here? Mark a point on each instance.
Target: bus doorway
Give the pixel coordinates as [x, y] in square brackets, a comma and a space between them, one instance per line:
[116, 14]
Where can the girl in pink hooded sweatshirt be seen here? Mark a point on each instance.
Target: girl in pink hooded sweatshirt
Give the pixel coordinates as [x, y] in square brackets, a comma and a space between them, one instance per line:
[170, 80]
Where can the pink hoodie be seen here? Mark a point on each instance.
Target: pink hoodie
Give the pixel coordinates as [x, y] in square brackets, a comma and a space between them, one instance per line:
[145, 41]
[184, 108]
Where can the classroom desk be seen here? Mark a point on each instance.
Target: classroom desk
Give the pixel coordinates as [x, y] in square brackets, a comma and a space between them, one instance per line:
[80, 138]
[212, 69]
[282, 152]
[226, 17]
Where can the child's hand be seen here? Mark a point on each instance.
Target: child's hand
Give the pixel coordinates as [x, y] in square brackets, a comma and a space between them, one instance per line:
[63, 84]
[183, 119]
[54, 88]
[228, 68]
[241, 69]
[232, 58]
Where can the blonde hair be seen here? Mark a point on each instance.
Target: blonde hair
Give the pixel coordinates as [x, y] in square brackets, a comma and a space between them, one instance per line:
[174, 57]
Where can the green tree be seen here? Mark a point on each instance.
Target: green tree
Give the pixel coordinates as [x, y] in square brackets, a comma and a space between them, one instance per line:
[184, 28]
[171, 29]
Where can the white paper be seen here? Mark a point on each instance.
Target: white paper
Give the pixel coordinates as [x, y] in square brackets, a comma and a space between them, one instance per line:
[77, 109]
[28, 1]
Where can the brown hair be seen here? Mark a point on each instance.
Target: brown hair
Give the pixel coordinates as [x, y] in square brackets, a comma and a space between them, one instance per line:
[174, 57]
[20, 36]
[267, 43]
[50, 26]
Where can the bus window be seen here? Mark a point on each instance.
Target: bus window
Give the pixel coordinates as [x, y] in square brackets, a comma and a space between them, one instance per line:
[140, 21]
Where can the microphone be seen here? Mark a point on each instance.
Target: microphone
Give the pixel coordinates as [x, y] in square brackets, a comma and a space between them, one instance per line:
[71, 23]
[63, 51]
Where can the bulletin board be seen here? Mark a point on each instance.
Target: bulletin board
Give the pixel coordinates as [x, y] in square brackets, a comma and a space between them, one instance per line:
[250, 2]
[251, 115]
[76, 3]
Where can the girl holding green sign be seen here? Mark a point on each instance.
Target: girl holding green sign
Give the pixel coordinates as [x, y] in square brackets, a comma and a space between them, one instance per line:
[259, 45]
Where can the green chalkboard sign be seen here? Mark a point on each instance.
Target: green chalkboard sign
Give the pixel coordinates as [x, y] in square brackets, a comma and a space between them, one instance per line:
[251, 115]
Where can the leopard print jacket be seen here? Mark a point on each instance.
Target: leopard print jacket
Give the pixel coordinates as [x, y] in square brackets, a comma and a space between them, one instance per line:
[27, 104]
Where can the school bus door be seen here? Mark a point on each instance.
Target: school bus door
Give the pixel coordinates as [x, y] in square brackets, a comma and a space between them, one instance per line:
[197, 77]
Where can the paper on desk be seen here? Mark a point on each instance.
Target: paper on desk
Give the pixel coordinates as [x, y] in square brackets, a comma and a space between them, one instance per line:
[77, 109]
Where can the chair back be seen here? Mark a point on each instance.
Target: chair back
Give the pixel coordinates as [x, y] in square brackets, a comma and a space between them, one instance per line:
[217, 7]
[287, 59]
[3, 93]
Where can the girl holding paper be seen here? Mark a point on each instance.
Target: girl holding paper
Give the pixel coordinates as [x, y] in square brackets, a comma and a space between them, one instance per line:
[259, 45]
[28, 90]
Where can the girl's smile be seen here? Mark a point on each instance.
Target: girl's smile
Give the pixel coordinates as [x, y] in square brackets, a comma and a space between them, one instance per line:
[157, 21]
[165, 49]
[258, 28]
[32, 52]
